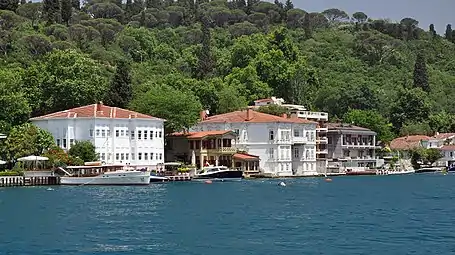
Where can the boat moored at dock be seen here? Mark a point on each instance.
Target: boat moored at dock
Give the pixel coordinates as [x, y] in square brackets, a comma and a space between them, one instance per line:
[103, 175]
[218, 173]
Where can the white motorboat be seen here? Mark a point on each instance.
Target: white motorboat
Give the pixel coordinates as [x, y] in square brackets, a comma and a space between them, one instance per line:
[100, 175]
[218, 173]
[401, 171]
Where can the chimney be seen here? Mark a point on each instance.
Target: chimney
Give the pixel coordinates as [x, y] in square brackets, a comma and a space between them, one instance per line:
[284, 115]
[203, 115]
[249, 114]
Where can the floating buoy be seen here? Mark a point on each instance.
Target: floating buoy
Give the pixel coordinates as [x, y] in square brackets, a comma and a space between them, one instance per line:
[282, 184]
[208, 182]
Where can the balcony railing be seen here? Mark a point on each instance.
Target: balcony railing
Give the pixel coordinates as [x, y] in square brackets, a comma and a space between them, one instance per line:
[322, 151]
[322, 140]
[361, 144]
[222, 150]
[313, 115]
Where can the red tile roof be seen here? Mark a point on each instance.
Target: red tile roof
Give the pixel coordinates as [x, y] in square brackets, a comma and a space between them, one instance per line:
[448, 148]
[252, 116]
[245, 156]
[408, 142]
[263, 100]
[202, 134]
[96, 111]
[444, 135]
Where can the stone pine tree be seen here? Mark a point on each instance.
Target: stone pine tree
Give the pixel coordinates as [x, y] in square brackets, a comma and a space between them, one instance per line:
[449, 33]
[66, 11]
[420, 74]
[10, 5]
[432, 31]
[205, 58]
[120, 91]
[51, 9]
[288, 5]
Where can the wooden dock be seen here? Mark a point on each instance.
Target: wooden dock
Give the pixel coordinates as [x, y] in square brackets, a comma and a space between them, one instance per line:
[15, 181]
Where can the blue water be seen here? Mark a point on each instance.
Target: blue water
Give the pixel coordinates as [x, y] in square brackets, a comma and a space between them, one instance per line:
[352, 215]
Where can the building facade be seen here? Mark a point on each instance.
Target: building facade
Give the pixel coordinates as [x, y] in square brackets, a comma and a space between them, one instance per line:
[204, 148]
[300, 111]
[351, 146]
[120, 136]
[284, 146]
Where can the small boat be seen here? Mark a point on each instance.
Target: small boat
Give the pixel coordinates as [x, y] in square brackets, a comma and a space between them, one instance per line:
[218, 173]
[363, 172]
[429, 170]
[100, 175]
[157, 178]
[401, 171]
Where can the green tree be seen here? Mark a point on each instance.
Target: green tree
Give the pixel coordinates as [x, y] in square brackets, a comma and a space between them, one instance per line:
[84, 150]
[229, 100]
[421, 74]
[412, 105]
[180, 109]
[360, 17]
[372, 120]
[449, 33]
[120, 91]
[66, 11]
[80, 79]
[274, 109]
[15, 107]
[206, 62]
[25, 140]
[432, 31]
[10, 5]
[432, 155]
[51, 9]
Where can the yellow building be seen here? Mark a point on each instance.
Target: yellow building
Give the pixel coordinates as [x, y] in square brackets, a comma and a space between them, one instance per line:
[209, 148]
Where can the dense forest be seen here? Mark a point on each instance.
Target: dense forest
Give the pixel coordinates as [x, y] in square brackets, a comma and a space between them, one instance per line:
[172, 58]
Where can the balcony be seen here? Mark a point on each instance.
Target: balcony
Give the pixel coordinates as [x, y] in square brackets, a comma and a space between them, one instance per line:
[224, 150]
[322, 140]
[325, 151]
[358, 145]
[313, 115]
[322, 129]
[361, 158]
[300, 140]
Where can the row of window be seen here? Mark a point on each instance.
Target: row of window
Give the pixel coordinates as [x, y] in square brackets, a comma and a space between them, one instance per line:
[286, 135]
[141, 134]
[145, 156]
[285, 153]
[307, 154]
[285, 167]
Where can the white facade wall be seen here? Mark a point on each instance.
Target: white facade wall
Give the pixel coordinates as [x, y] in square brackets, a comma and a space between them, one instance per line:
[117, 141]
[275, 144]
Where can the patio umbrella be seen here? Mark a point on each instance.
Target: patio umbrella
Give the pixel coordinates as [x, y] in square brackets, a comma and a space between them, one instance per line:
[33, 158]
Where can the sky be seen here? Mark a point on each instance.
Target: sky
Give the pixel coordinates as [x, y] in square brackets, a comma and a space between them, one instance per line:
[438, 12]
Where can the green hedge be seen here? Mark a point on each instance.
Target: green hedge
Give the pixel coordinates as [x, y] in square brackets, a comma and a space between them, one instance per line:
[10, 173]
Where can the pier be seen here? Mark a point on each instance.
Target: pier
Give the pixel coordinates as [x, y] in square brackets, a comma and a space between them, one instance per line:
[15, 181]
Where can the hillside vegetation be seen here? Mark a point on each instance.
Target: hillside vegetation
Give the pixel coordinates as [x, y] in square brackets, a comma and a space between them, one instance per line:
[171, 59]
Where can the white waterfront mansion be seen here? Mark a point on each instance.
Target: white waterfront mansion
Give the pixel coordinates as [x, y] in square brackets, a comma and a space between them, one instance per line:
[285, 146]
[120, 136]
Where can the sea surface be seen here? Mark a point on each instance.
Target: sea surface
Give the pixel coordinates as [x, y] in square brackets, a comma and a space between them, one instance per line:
[412, 214]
